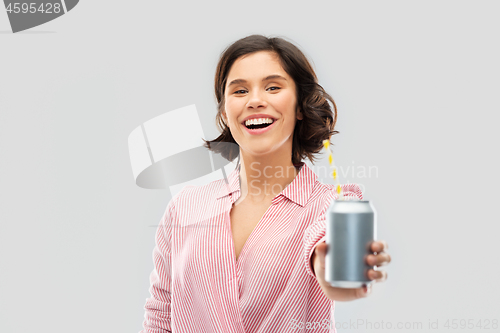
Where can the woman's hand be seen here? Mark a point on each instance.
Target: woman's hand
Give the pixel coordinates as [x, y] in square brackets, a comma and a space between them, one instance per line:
[381, 258]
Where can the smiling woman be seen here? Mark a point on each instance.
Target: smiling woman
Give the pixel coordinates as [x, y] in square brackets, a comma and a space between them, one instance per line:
[317, 107]
[236, 255]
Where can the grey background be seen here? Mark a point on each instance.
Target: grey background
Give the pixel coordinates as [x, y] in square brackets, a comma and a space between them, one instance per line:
[416, 84]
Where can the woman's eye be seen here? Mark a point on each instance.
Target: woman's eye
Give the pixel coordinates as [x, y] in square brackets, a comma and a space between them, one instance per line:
[239, 92]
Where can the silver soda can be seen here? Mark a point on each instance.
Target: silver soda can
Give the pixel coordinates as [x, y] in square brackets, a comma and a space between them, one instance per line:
[350, 230]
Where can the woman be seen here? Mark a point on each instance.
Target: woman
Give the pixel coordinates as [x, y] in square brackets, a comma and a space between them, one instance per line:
[247, 254]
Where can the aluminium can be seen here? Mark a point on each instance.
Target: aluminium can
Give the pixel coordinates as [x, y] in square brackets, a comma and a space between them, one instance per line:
[350, 230]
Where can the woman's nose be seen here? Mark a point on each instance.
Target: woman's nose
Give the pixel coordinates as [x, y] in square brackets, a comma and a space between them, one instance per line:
[256, 100]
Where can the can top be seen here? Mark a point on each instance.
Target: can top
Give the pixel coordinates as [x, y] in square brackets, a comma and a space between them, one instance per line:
[356, 206]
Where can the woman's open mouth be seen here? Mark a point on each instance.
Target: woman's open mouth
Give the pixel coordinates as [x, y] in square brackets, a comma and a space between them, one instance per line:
[259, 126]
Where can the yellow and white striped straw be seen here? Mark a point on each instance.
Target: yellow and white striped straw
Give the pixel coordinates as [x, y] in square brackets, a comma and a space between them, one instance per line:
[326, 144]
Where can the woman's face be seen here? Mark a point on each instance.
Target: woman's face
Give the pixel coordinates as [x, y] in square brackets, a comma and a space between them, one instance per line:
[258, 87]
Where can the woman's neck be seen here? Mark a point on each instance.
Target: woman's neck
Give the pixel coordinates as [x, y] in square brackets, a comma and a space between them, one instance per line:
[261, 180]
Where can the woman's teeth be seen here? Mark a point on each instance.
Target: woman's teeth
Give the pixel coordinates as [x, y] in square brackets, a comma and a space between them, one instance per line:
[259, 121]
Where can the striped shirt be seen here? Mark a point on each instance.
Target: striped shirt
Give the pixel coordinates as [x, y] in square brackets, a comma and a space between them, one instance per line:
[197, 285]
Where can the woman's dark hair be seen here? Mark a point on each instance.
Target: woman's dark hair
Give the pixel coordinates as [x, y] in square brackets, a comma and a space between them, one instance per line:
[318, 118]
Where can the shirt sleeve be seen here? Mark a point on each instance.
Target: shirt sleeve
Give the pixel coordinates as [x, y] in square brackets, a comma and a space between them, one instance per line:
[316, 232]
[157, 308]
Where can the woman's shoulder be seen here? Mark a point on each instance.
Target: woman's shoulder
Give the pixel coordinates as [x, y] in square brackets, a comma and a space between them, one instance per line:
[323, 195]
[198, 202]
[205, 192]
[330, 190]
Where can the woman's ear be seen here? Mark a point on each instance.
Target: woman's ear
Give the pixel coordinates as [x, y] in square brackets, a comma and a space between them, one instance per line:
[224, 118]
[300, 116]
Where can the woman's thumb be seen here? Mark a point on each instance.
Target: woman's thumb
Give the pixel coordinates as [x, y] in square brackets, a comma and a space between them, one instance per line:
[321, 249]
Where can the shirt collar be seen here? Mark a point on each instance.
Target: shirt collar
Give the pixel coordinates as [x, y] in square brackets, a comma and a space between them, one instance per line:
[231, 184]
[297, 191]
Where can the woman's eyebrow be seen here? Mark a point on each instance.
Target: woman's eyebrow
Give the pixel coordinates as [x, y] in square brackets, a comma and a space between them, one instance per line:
[270, 77]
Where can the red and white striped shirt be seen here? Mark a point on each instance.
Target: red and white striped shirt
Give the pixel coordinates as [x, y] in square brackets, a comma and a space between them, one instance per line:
[198, 286]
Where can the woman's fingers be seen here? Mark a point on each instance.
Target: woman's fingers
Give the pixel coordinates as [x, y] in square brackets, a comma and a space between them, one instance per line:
[334, 293]
[342, 294]
[379, 259]
[379, 246]
[377, 276]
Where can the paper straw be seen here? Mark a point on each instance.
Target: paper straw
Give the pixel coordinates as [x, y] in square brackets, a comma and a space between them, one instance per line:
[338, 188]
